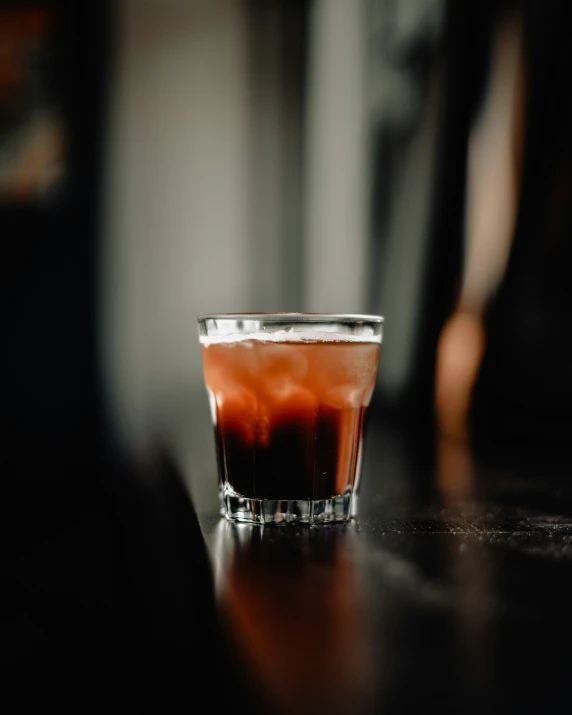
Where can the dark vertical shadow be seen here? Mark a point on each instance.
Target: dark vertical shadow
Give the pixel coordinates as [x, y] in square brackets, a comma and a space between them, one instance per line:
[105, 575]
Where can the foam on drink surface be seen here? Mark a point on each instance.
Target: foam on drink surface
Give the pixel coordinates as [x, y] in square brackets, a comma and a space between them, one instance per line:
[288, 336]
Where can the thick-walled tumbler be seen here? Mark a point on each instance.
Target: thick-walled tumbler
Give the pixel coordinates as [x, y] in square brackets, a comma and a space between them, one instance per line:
[288, 395]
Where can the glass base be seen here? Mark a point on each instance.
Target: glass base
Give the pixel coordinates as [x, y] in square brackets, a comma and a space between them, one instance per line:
[286, 511]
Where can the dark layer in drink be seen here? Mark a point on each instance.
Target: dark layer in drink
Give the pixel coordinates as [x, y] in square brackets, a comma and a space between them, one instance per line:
[298, 461]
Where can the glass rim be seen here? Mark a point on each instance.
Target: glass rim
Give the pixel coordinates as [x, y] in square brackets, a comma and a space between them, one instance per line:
[270, 317]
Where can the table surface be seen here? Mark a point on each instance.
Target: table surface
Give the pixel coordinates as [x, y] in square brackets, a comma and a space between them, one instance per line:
[450, 590]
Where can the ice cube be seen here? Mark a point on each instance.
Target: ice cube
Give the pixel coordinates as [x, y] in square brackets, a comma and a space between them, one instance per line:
[280, 361]
[288, 402]
[346, 396]
[237, 410]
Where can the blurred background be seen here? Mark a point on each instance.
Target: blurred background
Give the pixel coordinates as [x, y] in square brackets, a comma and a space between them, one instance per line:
[164, 158]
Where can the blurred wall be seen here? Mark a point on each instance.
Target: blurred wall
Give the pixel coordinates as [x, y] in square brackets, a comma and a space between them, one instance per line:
[235, 182]
[336, 196]
[176, 238]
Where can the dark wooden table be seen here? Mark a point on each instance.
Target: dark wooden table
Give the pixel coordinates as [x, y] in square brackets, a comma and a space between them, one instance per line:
[451, 591]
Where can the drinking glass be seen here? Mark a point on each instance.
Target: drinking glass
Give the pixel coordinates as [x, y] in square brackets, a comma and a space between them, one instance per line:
[288, 394]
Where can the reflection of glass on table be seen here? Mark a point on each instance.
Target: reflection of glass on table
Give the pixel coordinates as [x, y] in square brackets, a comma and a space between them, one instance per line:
[298, 615]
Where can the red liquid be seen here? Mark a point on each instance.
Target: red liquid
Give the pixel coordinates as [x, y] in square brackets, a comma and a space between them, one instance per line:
[289, 416]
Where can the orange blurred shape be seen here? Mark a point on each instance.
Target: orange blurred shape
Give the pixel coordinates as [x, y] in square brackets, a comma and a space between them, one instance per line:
[459, 354]
[18, 29]
[301, 629]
